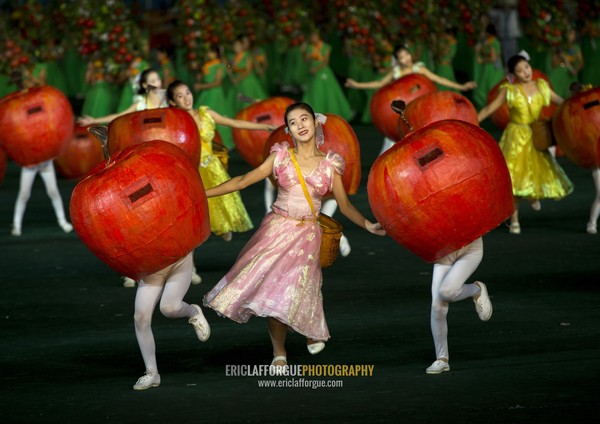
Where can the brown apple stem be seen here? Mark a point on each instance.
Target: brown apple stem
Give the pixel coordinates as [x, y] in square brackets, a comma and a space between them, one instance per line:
[101, 134]
[398, 106]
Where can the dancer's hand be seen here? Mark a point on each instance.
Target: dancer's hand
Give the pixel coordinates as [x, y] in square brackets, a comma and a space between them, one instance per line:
[374, 228]
[85, 120]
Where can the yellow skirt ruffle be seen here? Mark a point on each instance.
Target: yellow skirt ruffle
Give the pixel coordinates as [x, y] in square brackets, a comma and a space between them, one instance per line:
[227, 212]
[534, 174]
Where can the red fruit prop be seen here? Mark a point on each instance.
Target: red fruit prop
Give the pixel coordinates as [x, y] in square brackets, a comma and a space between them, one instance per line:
[173, 125]
[437, 106]
[501, 116]
[82, 154]
[406, 88]
[340, 138]
[576, 127]
[251, 143]
[35, 124]
[440, 188]
[143, 211]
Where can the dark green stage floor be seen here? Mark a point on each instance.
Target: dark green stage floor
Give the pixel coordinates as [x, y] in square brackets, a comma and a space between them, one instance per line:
[68, 350]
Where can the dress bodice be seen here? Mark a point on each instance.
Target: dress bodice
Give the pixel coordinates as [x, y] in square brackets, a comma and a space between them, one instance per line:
[523, 109]
[290, 196]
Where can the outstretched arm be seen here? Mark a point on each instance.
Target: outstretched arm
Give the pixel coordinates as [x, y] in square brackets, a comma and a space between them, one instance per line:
[239, 123]
[242, 181]
[446, 82]
[350, 211]
[493, 106]
[350, 83]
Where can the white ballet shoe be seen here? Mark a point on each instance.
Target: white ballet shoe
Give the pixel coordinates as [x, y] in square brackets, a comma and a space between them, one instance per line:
[314, 348]
[66, 227]
[345, 248]
[515, 228]
[128, 282]
[591, 228]
[279, 369]
[227, 236]
[15, 231]
[196, 279]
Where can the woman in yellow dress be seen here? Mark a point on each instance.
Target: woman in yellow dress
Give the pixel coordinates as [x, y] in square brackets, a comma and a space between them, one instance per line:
[535, 174]
[227, 213]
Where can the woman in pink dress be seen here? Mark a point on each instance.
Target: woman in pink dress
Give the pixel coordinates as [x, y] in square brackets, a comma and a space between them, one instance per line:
[278, 273]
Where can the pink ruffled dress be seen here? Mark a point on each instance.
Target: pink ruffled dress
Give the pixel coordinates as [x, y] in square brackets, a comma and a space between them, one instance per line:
[278, 273]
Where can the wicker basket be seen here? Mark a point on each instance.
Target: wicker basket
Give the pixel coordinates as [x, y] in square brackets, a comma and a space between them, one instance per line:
[221, 153]
[330, 241]
[542, 134]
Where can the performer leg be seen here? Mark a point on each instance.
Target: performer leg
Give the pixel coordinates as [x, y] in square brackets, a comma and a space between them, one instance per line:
[26, 182]
[387, 143]
[146, 298]
[269, 194]
[49, 176]
[595, 209]
[448, 285]
[176, 287]
[328, 207]
[278, 332]
[515, 227]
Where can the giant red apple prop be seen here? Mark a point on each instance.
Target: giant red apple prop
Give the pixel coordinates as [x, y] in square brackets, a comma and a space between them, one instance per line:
[440, 188]
[35, 124]
[406, 88]
[143, 211]
[340, 138]
[251, 143]
[82, 154]
[577, 127]
[173, 125]
[501, 116]
[437, 106]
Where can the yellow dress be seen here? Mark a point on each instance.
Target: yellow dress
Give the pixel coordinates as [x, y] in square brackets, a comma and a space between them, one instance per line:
[534, 174]
[227, 213]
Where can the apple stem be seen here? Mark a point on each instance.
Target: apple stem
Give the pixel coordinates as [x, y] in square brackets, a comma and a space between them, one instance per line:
[398, 106]
[101, 134]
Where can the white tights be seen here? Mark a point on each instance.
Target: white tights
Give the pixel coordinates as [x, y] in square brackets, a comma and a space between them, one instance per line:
[448, 285]
[595, 209]
[46, 170]
[269, 194]
[170, 286]
[387, 144]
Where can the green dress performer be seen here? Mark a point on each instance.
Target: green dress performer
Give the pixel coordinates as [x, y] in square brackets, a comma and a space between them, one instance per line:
[488, 69]
[213, 96]
[323, 92]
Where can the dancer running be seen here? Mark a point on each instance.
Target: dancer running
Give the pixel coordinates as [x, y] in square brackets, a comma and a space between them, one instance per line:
[447, 286]
[227, 213]
[404, 65]
[278, 274]
[534, 174]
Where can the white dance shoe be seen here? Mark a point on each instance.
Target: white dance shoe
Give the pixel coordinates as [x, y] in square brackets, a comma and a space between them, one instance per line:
[149, 379]
[438, 367]
[200, 325]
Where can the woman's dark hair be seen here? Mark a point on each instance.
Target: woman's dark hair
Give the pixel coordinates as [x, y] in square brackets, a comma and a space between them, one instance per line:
[216, 49]
[144, 79]
[171, 89]
[514, 61]
[298, 105]
[399, 48]
[491, 29]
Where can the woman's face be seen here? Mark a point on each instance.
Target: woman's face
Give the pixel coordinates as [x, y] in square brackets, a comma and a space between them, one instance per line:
[154, 80]
[523, 71]
[183, 98]
[404, 57]
[301, 125]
